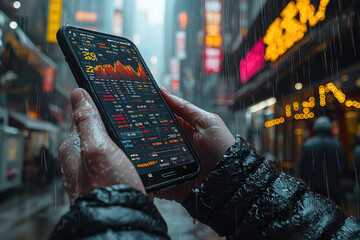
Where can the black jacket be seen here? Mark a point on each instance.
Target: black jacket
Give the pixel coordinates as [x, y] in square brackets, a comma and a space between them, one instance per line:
[244, 197]
[322, 163]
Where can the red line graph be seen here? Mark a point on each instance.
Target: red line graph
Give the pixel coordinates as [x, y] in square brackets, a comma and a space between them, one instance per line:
[119, 71]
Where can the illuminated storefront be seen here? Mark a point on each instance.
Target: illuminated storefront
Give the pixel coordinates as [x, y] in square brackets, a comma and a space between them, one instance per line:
[305, 54]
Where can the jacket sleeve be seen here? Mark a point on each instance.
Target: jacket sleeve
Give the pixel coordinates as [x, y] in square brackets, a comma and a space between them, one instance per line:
[116, 212]
[246, 197]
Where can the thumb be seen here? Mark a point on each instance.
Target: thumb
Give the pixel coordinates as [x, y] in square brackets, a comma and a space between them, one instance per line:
[88, 122]
[195, 116]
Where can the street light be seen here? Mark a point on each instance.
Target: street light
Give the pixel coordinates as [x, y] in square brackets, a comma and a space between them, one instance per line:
[262, 105]
[345, 78]
[298, 86]
[13, 24]
[357, 83]
[16, 4]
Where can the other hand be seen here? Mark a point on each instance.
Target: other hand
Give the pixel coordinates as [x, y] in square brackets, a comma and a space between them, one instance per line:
[208, 136]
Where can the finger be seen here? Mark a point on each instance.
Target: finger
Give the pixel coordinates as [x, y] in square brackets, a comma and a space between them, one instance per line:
[187, 128]
[195, 116]
[92, 133]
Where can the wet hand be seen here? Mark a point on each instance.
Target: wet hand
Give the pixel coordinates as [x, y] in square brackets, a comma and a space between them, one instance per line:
[89, 158]
[208, 136]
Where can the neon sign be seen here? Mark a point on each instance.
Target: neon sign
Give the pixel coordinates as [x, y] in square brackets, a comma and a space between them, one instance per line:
[310, 104]
[287, 30]
[253, 62]
[54, 20]
[213, 22]
[212, 60]
[213, 53]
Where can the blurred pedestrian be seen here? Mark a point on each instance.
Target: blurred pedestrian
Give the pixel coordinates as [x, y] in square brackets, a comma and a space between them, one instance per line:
[323, 161]
[45, 164]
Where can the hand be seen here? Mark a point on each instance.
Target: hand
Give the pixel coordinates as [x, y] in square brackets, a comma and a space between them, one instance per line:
[89, 158]
[207, 134]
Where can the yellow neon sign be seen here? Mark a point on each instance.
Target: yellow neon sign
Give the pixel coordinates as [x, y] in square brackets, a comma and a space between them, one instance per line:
[213, 41]
[213, 18]
[309, 105]
[213, 28]
[287, 30]
[274, 122]
[54, 20]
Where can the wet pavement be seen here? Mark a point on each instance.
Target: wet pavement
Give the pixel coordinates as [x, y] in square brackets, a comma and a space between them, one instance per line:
[32, 214]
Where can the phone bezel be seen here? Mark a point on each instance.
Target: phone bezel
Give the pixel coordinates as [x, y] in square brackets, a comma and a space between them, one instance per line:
[158, 181]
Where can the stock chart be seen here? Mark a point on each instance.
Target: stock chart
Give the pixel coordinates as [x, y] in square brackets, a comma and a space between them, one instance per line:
[119, 71]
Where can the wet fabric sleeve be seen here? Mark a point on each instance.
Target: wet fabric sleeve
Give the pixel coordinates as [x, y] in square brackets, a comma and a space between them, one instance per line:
[246, 197]
[116, 212]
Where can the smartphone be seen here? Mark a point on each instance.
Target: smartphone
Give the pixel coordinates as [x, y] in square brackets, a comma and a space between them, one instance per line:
[134, 112]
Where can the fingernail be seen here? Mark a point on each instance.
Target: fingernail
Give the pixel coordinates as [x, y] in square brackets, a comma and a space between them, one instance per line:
[166, 90]
[76, 97]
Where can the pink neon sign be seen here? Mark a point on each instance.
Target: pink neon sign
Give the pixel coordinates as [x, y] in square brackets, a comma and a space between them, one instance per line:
[253, 62]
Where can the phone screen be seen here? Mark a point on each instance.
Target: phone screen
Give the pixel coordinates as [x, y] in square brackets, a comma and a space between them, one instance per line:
[145, 128]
